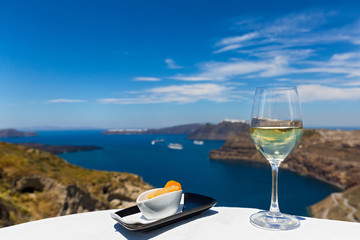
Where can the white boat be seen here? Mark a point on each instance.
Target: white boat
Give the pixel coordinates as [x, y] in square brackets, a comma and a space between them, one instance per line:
[176, 146]
[153, 142]
[198, 142]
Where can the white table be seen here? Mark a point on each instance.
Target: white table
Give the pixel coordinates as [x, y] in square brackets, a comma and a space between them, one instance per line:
[216, 223]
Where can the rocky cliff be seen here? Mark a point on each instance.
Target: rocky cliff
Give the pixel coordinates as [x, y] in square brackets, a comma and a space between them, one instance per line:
[35, 184]
[329, 155]
[222, 131]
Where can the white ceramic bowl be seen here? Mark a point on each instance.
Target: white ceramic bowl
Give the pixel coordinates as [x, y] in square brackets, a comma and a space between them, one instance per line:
[159, 207]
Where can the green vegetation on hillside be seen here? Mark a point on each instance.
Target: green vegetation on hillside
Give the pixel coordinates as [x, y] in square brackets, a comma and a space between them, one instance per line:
[339, 206]
[35, 184]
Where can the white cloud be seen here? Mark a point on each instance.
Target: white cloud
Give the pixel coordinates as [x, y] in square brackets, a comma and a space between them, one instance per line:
[343, 56]
[348, 59]
[352, 83]
[190, 78]
[237, 39]
[269, 52]
[147, 79]
[65, 100]
[126, 100]
[288, 49]
[294, 30]
[221, 71]
[224, 70]
[228, 48]
[171, 64]
[314, 92]
[287, 46]
[187, 93]
[295, 23]
[347, 64]
[349, 72]
[318, 81]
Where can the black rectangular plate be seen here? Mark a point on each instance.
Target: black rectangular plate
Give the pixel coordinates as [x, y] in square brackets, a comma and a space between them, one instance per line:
[194, 204]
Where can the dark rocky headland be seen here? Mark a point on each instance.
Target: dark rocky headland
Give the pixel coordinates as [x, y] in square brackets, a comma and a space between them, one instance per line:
[59, 149]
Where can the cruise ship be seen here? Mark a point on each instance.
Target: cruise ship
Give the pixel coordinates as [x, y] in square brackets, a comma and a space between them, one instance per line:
[198, 142]
[176, 146]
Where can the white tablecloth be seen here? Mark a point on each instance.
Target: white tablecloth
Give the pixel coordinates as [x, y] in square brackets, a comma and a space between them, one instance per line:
[216, 223]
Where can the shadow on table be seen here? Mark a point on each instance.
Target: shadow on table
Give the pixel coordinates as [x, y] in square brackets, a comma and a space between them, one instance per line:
[300, 218]
[150, 234]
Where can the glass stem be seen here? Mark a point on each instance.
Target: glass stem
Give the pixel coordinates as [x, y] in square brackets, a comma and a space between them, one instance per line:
[274, 207]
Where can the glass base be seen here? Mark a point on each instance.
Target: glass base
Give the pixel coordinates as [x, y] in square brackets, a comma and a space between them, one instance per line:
[269, 221]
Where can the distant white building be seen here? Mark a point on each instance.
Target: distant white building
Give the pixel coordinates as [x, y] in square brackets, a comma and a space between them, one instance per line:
[234, 120]
[126, 130]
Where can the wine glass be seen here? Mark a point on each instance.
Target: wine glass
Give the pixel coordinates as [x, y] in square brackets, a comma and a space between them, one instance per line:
[276, 128]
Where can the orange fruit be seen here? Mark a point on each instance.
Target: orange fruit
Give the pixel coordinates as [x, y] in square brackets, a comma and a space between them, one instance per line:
[173, 183]
[171, 186]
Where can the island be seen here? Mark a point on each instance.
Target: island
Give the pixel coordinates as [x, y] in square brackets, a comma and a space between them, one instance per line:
[60, 149]
[180, 129]
[198, 131]
[9, 133]
[221, 131]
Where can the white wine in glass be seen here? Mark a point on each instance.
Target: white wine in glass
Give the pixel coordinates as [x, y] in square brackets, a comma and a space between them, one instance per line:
[276, 128]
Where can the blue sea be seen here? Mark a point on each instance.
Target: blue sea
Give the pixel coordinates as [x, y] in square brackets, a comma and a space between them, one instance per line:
[240, 184]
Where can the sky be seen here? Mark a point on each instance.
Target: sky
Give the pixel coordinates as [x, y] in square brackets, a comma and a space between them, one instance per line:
[149, 64]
